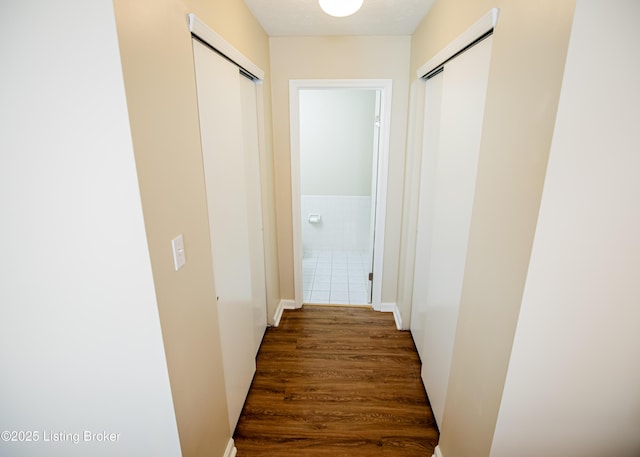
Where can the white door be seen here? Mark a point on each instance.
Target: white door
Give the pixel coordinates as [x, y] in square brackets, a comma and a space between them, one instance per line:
[431, 135]
[374, 193]
[227, 132]
[454, 109]
[254, 208]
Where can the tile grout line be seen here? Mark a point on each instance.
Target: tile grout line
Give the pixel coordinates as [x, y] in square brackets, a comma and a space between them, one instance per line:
[329, 263]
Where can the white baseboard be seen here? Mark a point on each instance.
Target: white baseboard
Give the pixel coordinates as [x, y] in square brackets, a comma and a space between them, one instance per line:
[437, 452]
[284, 304]
[392, 308]
[398, 318]
[231, 450]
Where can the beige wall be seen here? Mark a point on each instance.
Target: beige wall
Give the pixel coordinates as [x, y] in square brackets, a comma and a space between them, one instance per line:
[157, 60]
[529, 50]
[353, 57]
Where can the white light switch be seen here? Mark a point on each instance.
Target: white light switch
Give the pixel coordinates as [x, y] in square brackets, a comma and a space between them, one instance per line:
[178, 252]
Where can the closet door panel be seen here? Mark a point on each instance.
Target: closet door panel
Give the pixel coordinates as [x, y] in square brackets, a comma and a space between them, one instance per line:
[449, 175]
[220, 109]
[429, 163]
[254, 208]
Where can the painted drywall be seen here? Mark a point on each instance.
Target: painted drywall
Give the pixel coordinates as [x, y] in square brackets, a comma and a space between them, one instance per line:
[339, 57]
[574, 375]
[159, 76]
[336, 141]
[80, 342]
[529, 50]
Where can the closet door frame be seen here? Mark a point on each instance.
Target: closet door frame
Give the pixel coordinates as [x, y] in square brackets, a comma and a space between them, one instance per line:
[208, 36]
[416, 126]
[239, 320]
[443, 195]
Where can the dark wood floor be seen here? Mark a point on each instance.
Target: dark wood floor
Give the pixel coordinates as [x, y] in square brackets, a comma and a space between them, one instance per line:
[336, 381]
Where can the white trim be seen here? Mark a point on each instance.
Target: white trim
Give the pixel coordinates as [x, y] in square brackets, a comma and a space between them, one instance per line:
[231, 450]
[294, 126]
[398, 318]
[209, 36]
[384, 85]
[392, 308]
[437, 452]
[482, 26]
[284, 304]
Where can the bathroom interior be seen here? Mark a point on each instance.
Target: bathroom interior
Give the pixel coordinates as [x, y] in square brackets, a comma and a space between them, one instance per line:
[338, 158]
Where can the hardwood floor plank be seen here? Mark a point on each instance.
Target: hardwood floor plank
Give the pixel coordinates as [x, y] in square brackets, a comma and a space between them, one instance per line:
[334, 381]
[398, 392]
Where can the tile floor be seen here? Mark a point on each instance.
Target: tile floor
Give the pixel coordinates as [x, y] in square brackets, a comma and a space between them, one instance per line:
[335, 277]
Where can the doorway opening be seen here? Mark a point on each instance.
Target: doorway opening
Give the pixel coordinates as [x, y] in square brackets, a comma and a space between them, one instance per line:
[339, 153]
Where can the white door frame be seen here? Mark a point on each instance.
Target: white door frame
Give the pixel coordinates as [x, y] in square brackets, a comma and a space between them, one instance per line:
[385, 87]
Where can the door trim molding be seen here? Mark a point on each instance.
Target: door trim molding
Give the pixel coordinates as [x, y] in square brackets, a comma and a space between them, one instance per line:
[479, 28]
[385, 86]
[200, 29]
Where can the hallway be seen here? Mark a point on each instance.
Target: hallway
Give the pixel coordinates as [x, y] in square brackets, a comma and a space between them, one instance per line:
[336, 381]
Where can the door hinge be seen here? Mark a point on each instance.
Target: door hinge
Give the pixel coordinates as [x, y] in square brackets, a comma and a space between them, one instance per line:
[370, 276]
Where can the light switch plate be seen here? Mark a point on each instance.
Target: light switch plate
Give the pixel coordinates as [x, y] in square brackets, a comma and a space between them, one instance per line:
[179, 259]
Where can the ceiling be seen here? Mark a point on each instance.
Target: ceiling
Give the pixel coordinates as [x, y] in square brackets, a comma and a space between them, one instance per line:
[304, 17]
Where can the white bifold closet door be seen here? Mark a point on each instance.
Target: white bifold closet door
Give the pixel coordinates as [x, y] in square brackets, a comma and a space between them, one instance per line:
[229, 135]
[454, 109]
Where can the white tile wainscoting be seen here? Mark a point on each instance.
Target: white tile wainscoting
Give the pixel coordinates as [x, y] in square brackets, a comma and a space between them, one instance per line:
[343, 226]
[335, 248]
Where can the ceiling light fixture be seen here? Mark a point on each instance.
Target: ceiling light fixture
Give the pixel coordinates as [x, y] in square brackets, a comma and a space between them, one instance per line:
[340, 8]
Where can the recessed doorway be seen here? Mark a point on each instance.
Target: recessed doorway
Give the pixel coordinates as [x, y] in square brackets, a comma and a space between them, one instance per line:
[339, 150]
